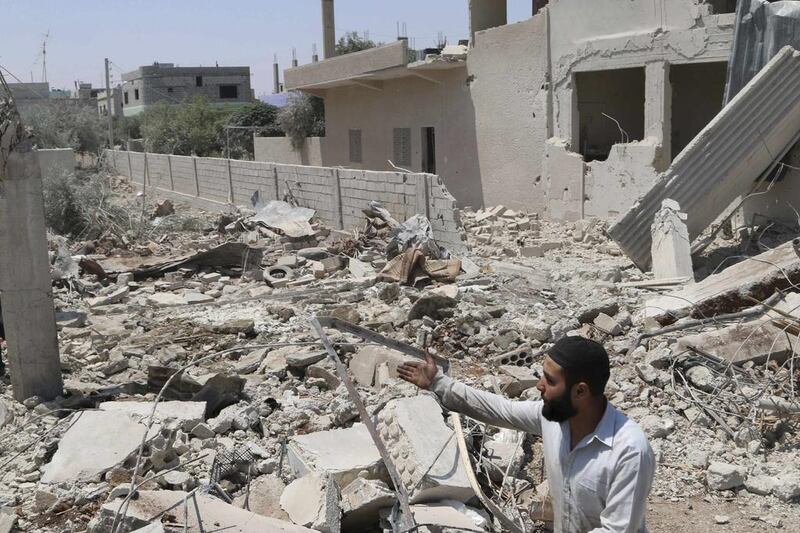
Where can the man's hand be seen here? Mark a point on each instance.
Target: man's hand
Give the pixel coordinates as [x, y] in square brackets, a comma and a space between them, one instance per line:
[418, 373]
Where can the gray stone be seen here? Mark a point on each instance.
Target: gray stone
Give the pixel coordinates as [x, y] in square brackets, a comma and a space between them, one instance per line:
[197, 298]
[203, 431]
[701, 377]
[364, 362]
[647, 373]
[607, 324]
[787, 486]
[430, 305]
[656, 427]
[249, 363]
[305, 358]
[264, 497]
[760, 484]
[724, 476]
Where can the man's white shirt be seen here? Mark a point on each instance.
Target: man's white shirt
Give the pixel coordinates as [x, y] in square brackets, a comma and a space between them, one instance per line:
[599, 486]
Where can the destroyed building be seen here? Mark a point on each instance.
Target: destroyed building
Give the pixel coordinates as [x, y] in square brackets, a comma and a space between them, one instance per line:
[218, 347]
[572, 113]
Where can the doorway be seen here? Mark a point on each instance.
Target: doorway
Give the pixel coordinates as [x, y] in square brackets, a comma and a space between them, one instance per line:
[429, 150]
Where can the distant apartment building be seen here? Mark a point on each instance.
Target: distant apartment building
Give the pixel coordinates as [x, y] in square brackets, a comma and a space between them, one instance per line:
[112, 105]
[164, 82]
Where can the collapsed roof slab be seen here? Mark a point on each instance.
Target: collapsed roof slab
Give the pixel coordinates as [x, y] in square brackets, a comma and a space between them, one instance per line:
[747, 136]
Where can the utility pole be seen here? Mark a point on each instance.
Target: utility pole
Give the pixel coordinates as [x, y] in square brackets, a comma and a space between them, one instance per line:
[109, 107]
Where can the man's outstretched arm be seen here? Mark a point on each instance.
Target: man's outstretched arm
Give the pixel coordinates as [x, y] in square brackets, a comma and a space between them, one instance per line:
[484, 406]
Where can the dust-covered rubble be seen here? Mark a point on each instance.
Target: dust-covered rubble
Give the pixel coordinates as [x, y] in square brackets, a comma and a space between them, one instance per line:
[253, 414]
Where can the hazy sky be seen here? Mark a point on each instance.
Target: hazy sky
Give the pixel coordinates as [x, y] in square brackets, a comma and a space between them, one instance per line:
[132, 33]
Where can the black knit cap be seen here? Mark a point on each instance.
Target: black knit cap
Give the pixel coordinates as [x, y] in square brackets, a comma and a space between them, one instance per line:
[583, 360]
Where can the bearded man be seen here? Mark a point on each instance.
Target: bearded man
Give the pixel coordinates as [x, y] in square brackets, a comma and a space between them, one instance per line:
[599, 463]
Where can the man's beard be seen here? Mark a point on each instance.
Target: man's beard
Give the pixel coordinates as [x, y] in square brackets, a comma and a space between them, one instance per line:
[559, 409]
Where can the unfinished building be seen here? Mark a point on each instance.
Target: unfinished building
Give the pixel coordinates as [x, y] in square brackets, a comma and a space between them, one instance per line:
[568, 115]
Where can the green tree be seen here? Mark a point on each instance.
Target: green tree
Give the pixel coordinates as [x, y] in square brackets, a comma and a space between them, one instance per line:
[65, 124]
[184, 129]
[351, 42]
[259, 118]
[303, 117]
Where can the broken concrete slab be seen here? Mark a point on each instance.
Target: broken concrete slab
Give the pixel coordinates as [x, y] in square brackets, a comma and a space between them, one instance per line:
[671, 249]
[95, 443]
[448, 516]
[754, 341]
[424, 450]
[189, 414]
[516, 379]
[431, 305]
[728, 291]
[114, 297]
[305, 358]
[151, 505]
[364, 362]
[166, 299]
[313, 501]
[362, 501]
[343, 453]
[749, 135]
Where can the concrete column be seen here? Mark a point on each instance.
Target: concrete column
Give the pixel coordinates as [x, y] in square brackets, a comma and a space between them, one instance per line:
[658, 110]
[328, 30]
[484, 14]
[28, 313]
[276, 78]
[671, 248]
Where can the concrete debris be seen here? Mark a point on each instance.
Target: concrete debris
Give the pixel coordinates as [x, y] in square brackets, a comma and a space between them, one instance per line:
[151, 503]
[291, 221]
[424, 450]
[748, 136]
[96, 442]
[731, 289]
[342, 453]
[362, 501]
[253, 406]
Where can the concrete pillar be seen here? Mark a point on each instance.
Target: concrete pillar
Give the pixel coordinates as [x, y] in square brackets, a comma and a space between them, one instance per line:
[328, 30]
[484, 14]
[28, 313]
[671, 248]
[658, 110]
[276, 78]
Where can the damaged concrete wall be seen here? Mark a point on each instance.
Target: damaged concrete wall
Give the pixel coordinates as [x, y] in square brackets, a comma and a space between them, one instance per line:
[507, 69]
[442, 102]
[338, 195]
[280, 150]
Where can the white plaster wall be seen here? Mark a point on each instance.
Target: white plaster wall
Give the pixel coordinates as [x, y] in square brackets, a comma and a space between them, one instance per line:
[507, 67]
[280, 150]
[414, 103]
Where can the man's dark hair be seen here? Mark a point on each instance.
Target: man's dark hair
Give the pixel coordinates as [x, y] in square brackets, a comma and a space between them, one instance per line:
[582, 360]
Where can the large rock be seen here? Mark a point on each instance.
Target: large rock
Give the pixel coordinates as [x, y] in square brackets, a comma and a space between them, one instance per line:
[313, 501]
[342, 453]
[214, 513]
[189, 414]
[787, 486]
[95, 443]
[724, 476]
[424, 450]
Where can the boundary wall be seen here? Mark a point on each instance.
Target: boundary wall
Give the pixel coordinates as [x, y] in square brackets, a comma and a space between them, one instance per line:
[338, 195]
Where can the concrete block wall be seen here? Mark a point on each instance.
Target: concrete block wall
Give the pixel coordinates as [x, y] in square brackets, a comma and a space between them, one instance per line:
[337, 195]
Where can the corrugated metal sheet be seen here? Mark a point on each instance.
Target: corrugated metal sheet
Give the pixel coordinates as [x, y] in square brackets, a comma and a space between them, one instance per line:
[725, 158]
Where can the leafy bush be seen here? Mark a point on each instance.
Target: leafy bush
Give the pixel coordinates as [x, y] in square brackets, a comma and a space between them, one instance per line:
[351, 42]
[303, 117]
[239, 142]
[65, 124]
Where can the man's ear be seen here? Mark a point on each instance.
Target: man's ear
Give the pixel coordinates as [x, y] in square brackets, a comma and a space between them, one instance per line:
[581, 390]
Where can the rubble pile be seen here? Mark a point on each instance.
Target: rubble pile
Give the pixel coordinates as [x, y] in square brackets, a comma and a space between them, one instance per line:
[195, 383]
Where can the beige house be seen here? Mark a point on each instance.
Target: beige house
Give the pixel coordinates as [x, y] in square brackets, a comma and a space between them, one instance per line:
[571, 113]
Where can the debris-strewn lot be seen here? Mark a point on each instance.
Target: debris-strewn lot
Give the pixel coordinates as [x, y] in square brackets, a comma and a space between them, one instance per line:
[199, 396]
